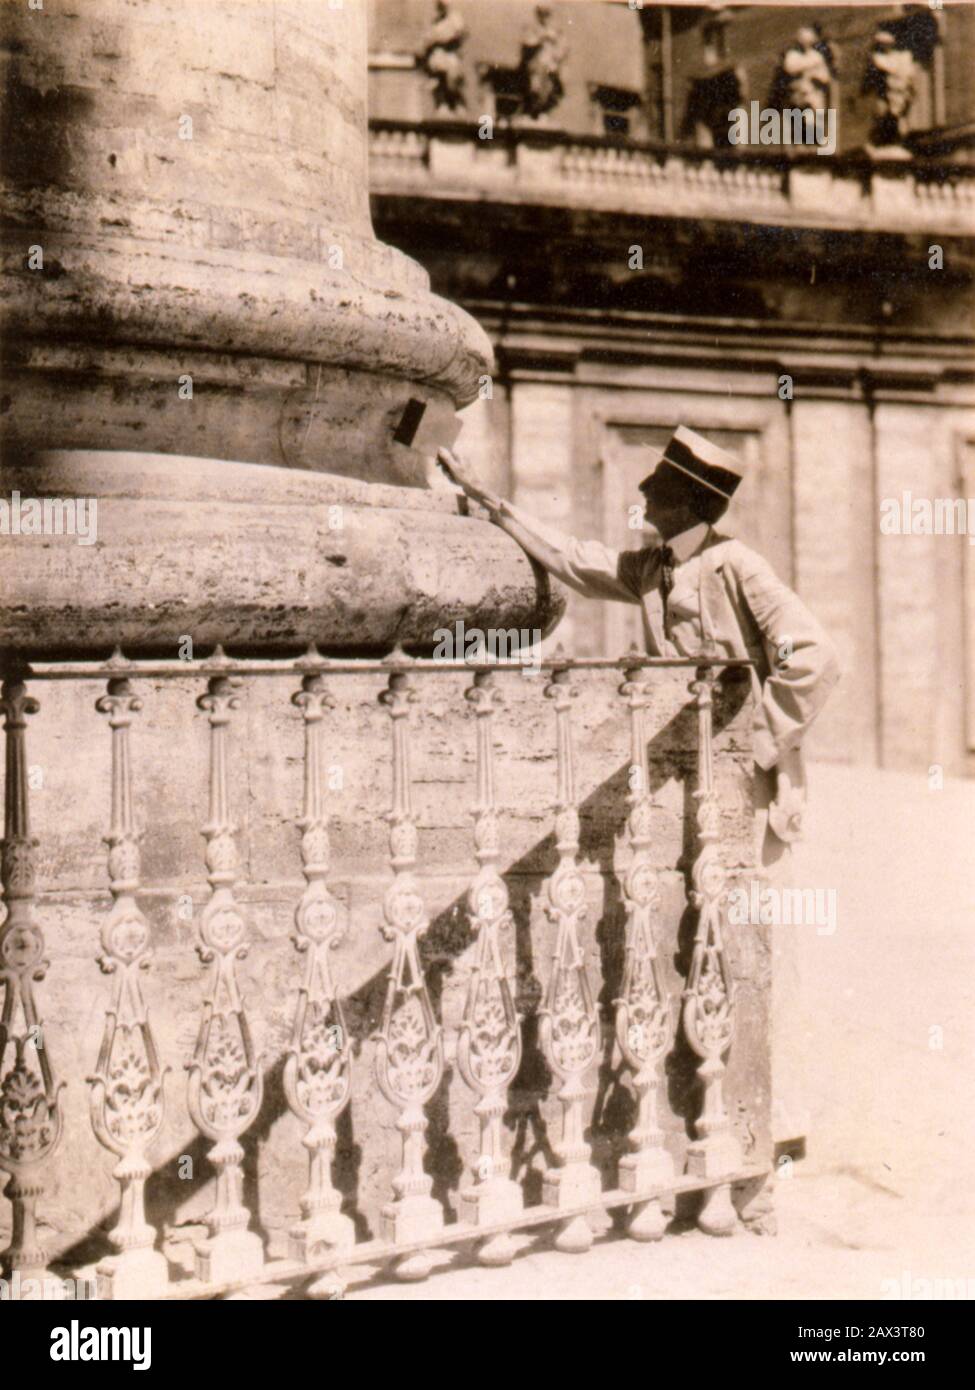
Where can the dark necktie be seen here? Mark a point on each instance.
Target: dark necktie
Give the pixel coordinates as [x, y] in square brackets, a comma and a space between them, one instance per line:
[666, 577]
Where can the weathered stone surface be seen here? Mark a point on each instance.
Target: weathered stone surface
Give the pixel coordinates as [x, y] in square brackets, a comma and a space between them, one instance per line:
[69, 744]
[256, 559]
[199, 186]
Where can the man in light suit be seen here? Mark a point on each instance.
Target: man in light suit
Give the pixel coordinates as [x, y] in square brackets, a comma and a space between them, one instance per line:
[704, 593]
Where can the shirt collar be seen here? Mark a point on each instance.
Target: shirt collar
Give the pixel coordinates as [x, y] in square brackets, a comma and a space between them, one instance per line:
[689, 542]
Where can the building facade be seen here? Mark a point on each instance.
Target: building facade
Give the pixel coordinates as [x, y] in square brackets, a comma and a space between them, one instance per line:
[563, 173]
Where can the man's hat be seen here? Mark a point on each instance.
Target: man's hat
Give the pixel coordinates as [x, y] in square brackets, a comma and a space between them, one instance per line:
[701, 461]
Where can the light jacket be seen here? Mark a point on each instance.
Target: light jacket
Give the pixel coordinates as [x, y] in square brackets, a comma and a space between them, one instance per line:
[745, 611]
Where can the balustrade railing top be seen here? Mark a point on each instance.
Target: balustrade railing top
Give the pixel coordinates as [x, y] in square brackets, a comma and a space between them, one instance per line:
[315, 661]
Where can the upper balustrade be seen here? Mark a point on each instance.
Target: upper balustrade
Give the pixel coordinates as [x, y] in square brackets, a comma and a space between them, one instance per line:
[520, 164]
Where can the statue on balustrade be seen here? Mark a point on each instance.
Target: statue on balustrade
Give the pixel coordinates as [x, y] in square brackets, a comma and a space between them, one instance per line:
[702, 592]
[543, 51]
[804, 78]
[889, 78]
[440, 58]
[716, 89]
[902, 48]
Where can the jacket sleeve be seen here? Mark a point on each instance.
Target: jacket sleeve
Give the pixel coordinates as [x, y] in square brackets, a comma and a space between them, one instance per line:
[588, 567]
[803, 663]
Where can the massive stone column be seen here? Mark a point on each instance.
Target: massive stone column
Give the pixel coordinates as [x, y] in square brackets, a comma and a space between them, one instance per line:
[190, 278]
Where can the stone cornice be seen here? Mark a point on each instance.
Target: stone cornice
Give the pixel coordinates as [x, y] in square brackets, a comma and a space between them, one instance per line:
[826, 360]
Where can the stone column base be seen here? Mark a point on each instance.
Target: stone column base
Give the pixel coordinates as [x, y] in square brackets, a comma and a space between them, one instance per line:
[307, 549]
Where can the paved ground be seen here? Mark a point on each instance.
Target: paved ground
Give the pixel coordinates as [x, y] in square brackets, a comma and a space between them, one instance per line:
[885, 1197]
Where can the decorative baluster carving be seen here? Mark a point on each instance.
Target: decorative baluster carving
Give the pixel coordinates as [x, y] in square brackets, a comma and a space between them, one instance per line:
[225, 1081]
[489, 1045]
[409, 1043]
[127, 1099]
[709, 993]
[30, 1110]
[568, 1022]
[317, 1072]
[643, 1025]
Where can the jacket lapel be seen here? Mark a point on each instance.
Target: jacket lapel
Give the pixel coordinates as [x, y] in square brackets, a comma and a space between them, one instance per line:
[711, 597]
[652, 611]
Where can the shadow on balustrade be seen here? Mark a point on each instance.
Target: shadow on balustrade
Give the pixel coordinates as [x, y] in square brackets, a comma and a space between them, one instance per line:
[448, 937]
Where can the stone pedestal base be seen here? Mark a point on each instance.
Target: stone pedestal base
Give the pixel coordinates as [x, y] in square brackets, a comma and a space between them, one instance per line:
[229, 1255]
[328, 1230]
[490, 1204]
[637, 1172]
[710, 1158]
[652, 1168]
[409, 1219]
[133, 1274]
[412, 1218]
[713, 1157]
[306, 548]
[576, 1185]
[717, 1216]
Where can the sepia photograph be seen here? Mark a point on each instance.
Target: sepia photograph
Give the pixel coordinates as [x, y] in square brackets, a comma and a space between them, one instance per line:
[487, 643]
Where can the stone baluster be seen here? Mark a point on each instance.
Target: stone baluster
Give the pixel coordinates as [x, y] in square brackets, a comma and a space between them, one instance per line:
[127, 1098]
[225, 1081]
[409, 1043]
[317, 1072]
[568, 1021]
[643, 1025]
[709, 993]
[30, 1110]
[489, 1044]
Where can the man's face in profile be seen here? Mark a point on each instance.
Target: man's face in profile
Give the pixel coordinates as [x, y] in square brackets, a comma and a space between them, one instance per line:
[664, 511]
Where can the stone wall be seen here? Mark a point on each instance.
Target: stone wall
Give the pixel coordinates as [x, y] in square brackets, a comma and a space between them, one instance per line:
[69, 750]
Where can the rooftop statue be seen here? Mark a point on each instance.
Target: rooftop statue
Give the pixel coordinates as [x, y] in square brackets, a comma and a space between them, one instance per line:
[717, 88]
[890, 77]
[440, 58]
[806, 71]
[543, 52]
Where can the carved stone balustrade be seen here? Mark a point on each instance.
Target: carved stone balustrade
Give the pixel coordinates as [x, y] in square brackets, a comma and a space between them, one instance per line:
[516, 1010]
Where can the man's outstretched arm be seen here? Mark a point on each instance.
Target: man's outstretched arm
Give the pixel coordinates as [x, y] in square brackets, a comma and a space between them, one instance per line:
[588, 567]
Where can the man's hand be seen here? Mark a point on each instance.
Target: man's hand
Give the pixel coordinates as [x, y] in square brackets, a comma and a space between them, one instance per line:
[457, 471]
